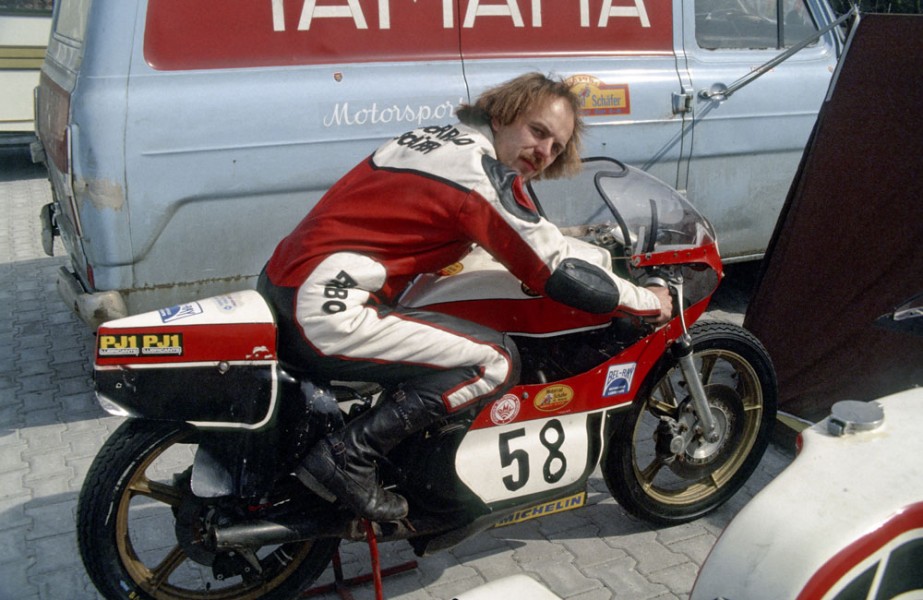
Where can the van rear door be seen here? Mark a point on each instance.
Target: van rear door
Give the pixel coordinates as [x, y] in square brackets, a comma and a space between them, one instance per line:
[55, 128]
[620, 59]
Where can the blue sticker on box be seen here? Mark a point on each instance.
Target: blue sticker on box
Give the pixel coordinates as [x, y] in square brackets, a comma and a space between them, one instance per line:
[618, 379]
[180, 311]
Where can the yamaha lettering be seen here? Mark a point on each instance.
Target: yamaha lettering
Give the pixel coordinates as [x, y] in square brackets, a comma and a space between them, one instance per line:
[260, 33]
[352, 11]
[338, 290]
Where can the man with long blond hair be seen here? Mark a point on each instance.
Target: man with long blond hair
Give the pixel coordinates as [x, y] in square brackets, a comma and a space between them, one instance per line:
[417, 205]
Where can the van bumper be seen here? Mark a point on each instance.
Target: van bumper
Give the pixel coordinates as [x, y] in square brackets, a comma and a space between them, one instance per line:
[92, 308]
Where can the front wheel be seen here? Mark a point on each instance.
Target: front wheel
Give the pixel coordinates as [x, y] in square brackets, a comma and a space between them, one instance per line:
[140, 528]
[656, 477]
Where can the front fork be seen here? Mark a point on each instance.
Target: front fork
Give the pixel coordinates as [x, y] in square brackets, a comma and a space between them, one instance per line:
[682, 350]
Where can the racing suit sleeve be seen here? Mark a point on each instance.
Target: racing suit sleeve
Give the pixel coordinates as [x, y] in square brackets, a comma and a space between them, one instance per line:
[504, 221]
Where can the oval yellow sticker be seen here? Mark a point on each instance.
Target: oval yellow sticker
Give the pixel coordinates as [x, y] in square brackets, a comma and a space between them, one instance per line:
[453, 269]
[554, 397]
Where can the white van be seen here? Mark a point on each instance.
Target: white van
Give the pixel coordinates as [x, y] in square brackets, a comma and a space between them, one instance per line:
[185, 139]
[24, 29]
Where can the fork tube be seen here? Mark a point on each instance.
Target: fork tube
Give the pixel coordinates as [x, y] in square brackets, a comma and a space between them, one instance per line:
[682, 351]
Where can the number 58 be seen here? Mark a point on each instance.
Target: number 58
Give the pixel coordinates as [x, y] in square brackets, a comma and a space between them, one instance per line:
[553, 430]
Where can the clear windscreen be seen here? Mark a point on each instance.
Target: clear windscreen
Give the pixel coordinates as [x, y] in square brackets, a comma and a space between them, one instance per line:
[623, 208]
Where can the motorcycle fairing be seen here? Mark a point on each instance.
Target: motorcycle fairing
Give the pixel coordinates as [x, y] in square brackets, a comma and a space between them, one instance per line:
[211, 363]
[542, 440]
[439, 493]
[585, 392]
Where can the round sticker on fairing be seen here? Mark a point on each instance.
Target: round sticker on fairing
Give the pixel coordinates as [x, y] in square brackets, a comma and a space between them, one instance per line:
[504, 410]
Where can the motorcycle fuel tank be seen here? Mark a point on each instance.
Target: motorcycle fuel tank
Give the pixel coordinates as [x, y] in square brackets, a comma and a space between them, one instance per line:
[481, 290]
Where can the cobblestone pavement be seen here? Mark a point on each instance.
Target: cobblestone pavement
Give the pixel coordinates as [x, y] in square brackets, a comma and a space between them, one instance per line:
[51, 427]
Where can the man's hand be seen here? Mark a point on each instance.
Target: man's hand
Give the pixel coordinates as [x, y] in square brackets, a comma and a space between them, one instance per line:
[666, 305]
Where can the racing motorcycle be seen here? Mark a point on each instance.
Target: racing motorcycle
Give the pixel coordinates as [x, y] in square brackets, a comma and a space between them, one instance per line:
[193, 495]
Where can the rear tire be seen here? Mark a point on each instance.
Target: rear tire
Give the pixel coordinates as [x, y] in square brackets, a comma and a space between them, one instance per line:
[654, 484]
[132, 546]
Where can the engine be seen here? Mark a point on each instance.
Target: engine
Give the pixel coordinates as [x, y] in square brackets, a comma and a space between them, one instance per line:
[552, 358]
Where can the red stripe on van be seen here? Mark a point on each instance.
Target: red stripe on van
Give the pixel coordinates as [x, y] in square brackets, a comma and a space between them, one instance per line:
[214, 34]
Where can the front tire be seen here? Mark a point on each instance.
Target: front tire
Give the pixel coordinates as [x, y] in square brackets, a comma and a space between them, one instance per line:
[139, 527]
[652, 481]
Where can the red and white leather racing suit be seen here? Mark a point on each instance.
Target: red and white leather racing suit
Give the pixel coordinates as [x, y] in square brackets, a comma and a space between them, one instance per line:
[415, 206]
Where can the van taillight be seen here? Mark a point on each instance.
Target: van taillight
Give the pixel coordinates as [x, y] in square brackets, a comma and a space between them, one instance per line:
[54, 111]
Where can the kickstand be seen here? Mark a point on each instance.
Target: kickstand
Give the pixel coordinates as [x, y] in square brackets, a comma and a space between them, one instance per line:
[342, 586]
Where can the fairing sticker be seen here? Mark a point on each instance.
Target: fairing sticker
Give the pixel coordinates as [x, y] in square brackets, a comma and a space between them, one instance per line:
[542, 510]
[553, 398]
[618, 379]
[516, 460]
[181, 311]
[150, 344]
[505, 410]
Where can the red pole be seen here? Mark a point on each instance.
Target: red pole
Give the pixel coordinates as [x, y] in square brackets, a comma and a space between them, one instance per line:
[376, 563]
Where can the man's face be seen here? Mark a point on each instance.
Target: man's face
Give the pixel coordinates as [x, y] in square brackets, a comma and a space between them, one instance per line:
[534, 140]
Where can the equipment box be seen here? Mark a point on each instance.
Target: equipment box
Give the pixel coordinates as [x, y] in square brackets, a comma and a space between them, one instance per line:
[220, 350]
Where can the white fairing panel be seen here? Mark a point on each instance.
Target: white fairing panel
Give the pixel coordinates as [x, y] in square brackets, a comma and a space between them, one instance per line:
[246, 306]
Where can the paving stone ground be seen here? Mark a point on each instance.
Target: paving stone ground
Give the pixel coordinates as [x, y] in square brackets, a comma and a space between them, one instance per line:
[51, 428]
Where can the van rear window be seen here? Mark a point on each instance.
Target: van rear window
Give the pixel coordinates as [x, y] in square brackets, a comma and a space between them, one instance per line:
[71, 21]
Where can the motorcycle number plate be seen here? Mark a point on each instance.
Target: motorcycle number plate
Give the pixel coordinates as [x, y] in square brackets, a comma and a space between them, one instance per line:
[509, 461]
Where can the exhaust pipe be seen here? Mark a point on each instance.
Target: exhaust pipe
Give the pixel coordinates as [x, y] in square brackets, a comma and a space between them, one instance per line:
[258, 533]
[299, 528]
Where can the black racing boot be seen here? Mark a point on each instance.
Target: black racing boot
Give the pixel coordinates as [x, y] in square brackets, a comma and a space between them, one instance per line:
[345, 461]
